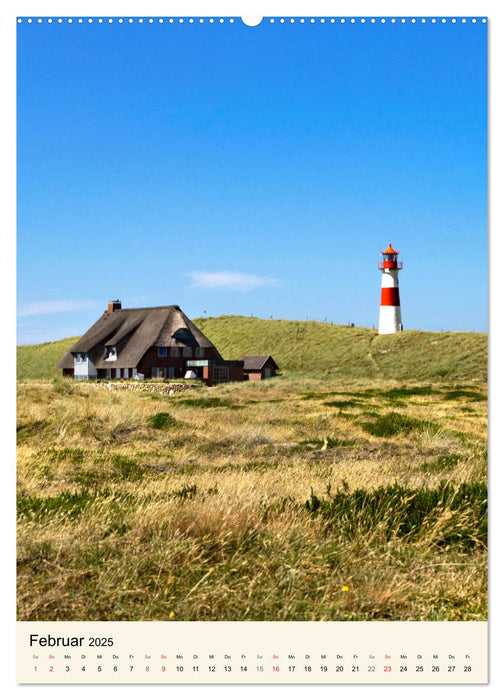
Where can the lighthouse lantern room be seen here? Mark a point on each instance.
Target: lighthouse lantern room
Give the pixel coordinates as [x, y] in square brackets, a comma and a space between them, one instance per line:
[390, 307]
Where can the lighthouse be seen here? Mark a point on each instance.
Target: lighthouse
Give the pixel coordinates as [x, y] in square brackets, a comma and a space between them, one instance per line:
[390, 307]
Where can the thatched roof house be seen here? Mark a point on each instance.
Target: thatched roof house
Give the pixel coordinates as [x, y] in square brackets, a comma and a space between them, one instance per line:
[154, 342]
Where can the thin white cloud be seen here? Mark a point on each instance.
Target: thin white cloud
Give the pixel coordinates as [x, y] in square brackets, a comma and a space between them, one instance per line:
[230, 281]
[37, 308]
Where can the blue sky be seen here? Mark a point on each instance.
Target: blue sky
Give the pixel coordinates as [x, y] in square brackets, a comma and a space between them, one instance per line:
[238, 170]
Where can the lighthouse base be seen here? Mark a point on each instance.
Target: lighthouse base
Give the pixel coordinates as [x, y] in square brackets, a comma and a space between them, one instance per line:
[390, 320]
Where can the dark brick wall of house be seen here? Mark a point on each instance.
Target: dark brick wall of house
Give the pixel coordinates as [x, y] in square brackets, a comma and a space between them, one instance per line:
[235, 374]
[151, 359]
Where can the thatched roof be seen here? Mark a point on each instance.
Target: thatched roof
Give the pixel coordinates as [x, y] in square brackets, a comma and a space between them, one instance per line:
[133, 332]
[255, 363]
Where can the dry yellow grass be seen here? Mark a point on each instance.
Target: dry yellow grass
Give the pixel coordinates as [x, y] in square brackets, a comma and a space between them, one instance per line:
[228, 510]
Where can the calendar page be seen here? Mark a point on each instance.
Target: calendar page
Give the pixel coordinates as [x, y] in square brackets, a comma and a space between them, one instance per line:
[252, 346]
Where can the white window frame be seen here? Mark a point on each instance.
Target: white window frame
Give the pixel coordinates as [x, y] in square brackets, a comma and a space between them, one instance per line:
[187, 351]
[162, 352]
[200, 352]
[174, 351]
[112, 353]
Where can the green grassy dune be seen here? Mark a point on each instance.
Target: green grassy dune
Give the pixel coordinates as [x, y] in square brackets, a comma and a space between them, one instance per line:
[321, 349]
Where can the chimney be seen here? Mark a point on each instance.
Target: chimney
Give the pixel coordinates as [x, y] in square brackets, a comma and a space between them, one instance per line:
[113, 306]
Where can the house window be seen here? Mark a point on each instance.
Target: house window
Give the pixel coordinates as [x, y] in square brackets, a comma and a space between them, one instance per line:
[118, 373]
[200, 352]
[174, 352]
[112, 353]
[221, 374]
[187, 352]
[161, 352]
[78, 357]
[134, 372]
[126, 373]
[109, 374]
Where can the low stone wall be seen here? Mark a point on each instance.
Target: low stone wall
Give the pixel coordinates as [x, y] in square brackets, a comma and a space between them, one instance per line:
[157, 387]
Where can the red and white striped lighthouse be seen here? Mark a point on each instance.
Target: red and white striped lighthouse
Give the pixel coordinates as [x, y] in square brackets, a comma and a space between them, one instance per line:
[390, 307]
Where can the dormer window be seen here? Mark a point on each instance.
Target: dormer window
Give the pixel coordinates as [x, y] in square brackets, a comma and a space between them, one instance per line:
[111, 353]
[183, 334]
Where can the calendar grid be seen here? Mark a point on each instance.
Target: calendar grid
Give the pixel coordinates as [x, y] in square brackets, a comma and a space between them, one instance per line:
[252, 652]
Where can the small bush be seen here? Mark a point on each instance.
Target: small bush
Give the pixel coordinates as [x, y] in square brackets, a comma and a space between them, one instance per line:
[162, 421]
[393, 424]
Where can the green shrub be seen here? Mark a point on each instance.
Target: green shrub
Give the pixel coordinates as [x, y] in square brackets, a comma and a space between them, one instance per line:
[162, 421]
[394, 423]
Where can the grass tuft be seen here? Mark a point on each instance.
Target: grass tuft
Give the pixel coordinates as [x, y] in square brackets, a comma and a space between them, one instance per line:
[162, 421]
[395, 423]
